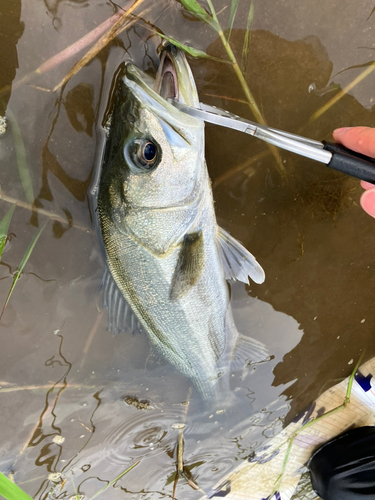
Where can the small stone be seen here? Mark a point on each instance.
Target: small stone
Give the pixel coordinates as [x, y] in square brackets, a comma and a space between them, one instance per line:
[81, 436]
[178, 425]
[312, 87]
[363, 320]
[55, 477]
[58, 439]
[3, 125]
[350, 362]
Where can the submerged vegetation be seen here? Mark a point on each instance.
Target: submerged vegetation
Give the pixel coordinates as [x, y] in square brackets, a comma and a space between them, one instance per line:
[11, 491]
[23, 263]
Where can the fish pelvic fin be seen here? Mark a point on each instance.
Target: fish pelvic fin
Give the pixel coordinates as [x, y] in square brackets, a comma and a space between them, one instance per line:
[238, 263]
[120, 315]
[189, 265]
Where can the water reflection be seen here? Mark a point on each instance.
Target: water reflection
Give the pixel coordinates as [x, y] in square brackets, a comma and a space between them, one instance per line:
[11, 29]
[307, 229]
[53, 6]
[311, 237]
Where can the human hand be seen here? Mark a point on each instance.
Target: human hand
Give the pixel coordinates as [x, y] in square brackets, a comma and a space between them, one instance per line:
[362, 140]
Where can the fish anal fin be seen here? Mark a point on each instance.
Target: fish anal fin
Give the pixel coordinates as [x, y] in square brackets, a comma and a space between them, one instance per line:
[247, 351]
[120, 315]
[238, 263]
[189, 267]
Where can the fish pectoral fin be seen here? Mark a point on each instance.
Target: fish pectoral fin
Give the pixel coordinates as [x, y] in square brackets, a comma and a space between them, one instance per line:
[248, 350]
[120, 315]
[238, 263]
[189, 267]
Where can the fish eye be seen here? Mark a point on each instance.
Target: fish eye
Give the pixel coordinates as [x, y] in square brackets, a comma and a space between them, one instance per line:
[143, 154]
[147, 153]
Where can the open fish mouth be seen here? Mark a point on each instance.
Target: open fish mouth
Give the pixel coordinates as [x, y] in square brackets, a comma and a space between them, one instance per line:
[166, 82]
[174, 80]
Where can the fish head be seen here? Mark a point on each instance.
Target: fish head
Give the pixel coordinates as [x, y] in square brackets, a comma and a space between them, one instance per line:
[157, 151]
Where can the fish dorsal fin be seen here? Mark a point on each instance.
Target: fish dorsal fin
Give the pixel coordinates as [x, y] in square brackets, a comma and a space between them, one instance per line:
[238, 263]
[189, 265]
[120, 315]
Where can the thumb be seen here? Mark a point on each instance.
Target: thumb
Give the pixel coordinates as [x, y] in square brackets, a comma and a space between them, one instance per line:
[360, 139]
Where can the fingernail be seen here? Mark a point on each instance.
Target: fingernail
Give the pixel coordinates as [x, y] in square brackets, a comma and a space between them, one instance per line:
[368, 202]
[341, 130]
[367, 185]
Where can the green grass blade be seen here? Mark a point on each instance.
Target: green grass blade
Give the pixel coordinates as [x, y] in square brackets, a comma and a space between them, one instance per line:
[191, 50]
[4, 226]
[232, 15]
[117, 478]
[23, 169]
[245, 49]
[23, 262]
[11, 491]
[194, 8]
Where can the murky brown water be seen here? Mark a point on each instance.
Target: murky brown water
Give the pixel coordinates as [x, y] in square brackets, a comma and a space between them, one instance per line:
[315, 311]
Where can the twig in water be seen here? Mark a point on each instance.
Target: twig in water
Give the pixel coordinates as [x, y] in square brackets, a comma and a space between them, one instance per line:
[342, 92]
[40, 211]
[72, 50]
[83, 425]
[180, 449]
[114, 480]
[242, 101]
[43, 387]
[92, 333]
[114, 31]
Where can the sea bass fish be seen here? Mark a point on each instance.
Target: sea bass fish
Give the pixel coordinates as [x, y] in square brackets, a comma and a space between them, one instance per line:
[168, 259]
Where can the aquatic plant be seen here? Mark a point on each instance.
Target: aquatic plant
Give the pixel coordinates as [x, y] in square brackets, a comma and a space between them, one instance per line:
[312, 422]
[22, 264]
[11, 491]
[4, 227]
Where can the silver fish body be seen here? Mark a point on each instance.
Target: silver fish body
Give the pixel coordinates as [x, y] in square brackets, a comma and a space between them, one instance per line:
[165, 252]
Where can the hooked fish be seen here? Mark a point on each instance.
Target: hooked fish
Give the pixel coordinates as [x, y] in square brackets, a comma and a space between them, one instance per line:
[168, 260]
